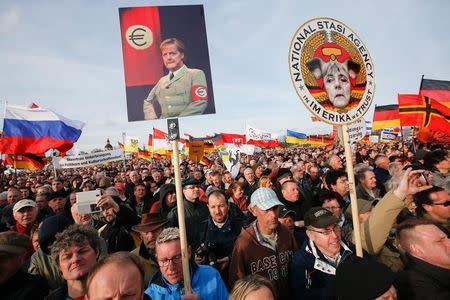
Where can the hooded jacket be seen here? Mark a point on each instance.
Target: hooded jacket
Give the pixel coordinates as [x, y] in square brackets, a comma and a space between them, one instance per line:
[161, 206]
[252, 255]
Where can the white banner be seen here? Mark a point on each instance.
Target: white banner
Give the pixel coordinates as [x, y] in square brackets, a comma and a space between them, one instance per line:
[255, 134]
[80, 161]
[387, 136]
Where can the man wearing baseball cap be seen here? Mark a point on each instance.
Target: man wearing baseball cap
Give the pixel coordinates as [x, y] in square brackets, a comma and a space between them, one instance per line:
[265, 247]
[25, 214]
[314, 264]
[15, 283]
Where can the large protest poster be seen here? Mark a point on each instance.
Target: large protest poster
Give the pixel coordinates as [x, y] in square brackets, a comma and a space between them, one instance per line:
[332, 71]
[151, 90]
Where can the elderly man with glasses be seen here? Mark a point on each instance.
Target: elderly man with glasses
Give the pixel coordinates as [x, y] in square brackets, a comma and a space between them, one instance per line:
[167, 283]
[314, 265]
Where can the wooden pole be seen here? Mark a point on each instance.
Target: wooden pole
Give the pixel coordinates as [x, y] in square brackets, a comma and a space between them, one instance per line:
[351, 181]
[181, 222]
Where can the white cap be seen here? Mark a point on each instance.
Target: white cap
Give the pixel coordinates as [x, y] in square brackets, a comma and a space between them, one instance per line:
[23, 203]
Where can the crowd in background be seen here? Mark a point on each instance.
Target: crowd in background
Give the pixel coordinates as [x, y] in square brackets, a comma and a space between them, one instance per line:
[281, 229]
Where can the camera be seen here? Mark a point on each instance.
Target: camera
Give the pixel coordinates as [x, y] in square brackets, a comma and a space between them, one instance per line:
[87, 202]
[206, 250]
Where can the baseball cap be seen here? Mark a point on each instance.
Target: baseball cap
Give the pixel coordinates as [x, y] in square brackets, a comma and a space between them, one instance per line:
[23, 203]
[264, 198]
[283, 212]
[14, 242]
[319, 217]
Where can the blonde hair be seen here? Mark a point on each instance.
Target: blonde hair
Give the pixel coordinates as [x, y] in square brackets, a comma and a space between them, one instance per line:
[167, 235]
[248, 284]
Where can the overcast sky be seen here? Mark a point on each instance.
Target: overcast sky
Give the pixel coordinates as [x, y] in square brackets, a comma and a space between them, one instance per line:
[67, 56]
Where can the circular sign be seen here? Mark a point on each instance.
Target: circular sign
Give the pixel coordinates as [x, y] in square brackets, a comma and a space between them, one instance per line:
[331, 70]
[139, 37]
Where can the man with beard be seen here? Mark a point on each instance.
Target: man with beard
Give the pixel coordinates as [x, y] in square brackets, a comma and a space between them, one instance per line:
[220, 232]
[150, 227]
[116, 236]
[265, 247]
[75, 250]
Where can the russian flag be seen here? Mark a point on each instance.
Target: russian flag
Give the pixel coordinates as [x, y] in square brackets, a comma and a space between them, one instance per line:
[36, 130]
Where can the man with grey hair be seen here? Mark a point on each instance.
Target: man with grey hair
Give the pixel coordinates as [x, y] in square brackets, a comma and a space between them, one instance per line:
[167, 283]
[265, 247]
[335, 162]
[75, 251]
[367, 185]
[381, 171]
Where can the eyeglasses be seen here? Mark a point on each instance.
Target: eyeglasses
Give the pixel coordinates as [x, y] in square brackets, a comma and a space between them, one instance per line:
[332, 207]
[165, 262]
[327, 232]
[445, 204]
[191, 187]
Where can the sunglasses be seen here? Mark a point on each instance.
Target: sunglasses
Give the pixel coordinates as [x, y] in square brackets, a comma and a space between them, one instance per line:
[445, 204]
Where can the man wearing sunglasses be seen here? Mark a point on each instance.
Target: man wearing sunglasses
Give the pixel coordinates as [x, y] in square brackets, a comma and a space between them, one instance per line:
[434, 205]
[168, 282]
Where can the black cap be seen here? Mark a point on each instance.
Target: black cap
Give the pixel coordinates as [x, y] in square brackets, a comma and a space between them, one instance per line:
[368, 279]
[59, 194]
[319, 217]
[191, 181]
[283, 172]
[283, 212]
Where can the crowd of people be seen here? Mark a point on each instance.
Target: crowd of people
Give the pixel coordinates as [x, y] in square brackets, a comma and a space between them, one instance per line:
[281, 229]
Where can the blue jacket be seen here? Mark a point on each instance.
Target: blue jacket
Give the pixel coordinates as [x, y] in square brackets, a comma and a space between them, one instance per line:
[311, 275]
[205, 281]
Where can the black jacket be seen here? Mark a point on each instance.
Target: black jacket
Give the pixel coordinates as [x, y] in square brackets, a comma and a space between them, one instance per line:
[24, 286]
[194, 213]
[421, 280]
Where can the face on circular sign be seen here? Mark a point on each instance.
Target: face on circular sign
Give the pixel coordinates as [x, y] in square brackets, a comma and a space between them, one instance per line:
[332, 71]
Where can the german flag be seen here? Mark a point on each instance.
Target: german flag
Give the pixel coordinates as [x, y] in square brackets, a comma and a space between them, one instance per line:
[386, 116]
[26, 161]
[143, 155]
[438, 90]
[421, 111]
[150, 143]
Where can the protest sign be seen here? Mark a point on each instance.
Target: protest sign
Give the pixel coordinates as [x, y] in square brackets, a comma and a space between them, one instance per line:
[80, 161]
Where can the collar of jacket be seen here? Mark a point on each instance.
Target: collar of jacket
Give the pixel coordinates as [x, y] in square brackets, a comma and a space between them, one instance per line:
[437, 274]
[260, 238]
[225, 228]
[159, 279]
[320, 263]
[143, 251]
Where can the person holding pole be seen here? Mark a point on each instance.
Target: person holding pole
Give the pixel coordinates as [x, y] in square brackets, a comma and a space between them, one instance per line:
[168, 282]
[314, 264]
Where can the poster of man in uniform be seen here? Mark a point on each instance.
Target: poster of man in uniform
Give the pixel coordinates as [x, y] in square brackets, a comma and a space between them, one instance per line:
[166, 62]
[332, 71]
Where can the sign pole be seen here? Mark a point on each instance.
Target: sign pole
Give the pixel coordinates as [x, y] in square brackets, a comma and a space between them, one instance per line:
[351, 181]
[174, 134]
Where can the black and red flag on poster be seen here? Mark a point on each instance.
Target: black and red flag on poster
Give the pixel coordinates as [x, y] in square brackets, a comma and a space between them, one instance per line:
[142, 31]
[438, 90]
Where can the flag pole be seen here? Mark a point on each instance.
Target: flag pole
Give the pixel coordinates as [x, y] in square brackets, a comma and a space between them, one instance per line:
[124, 158]
[421, 82]
[351, 181]
[53, 163]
